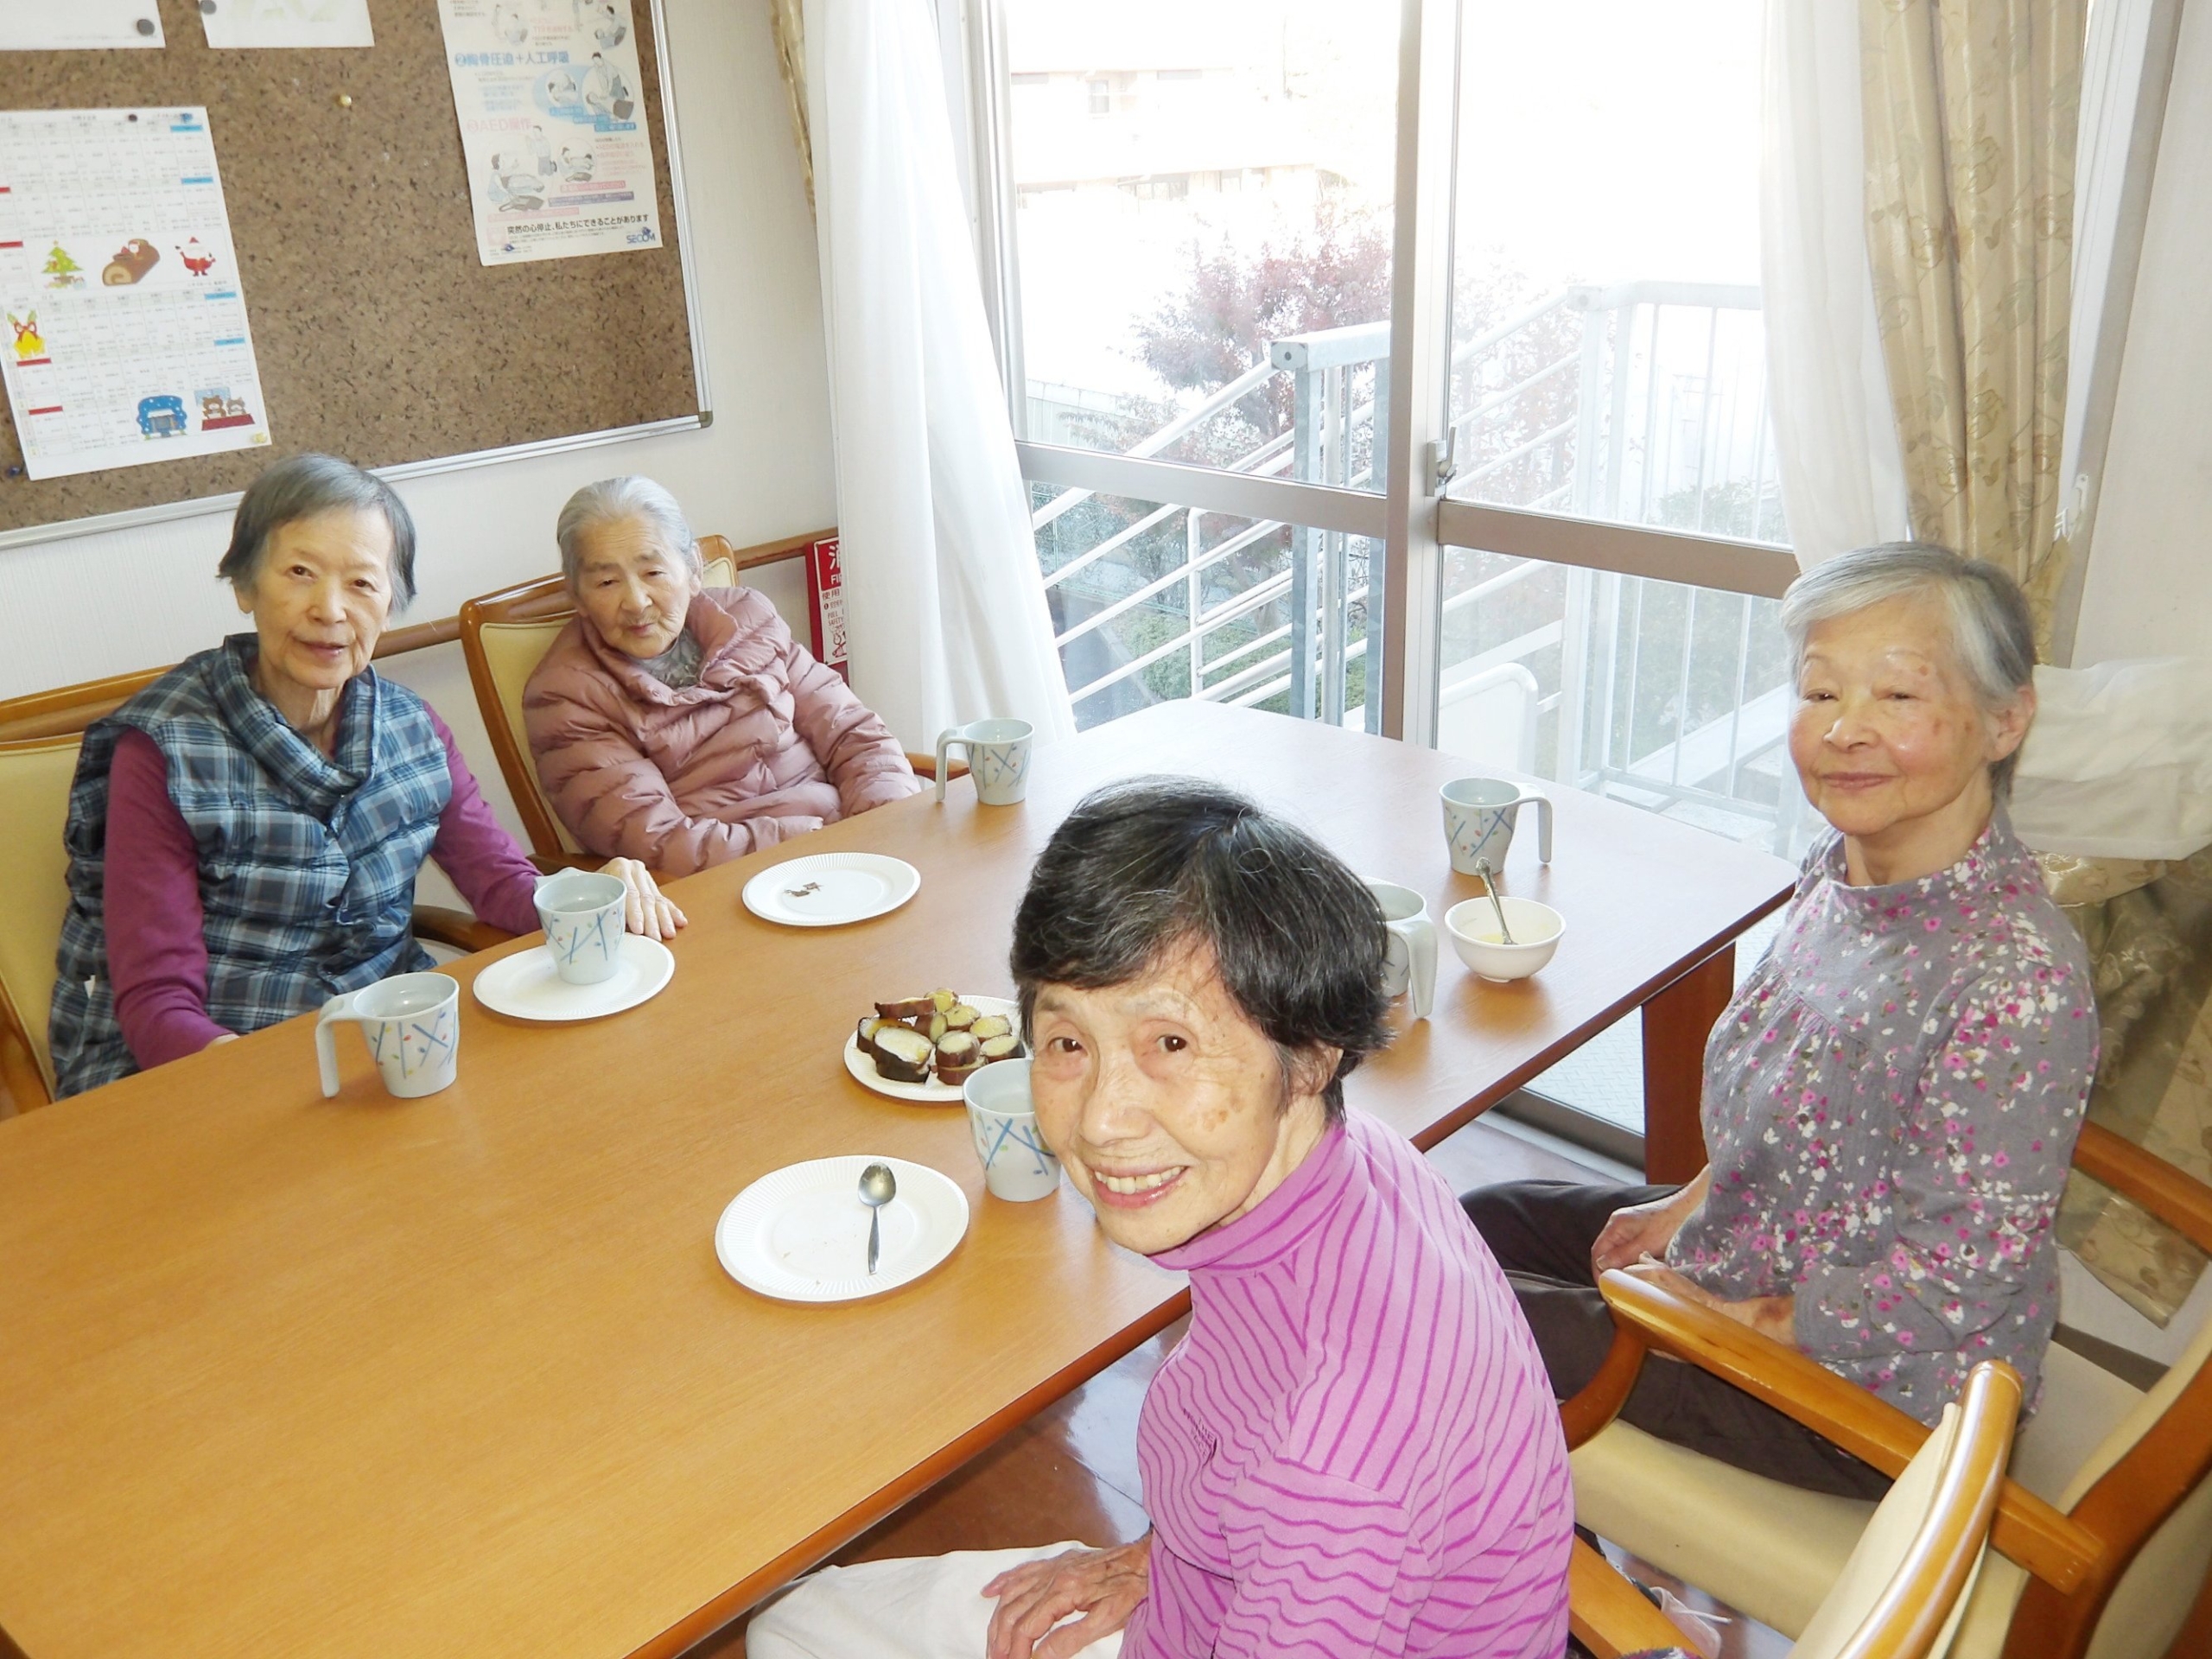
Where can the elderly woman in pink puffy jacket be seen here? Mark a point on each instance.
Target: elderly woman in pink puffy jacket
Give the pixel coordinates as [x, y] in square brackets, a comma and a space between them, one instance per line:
[681, 725]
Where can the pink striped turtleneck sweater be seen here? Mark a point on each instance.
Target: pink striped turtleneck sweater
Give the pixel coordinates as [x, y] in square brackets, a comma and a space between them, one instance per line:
[1355, 1450]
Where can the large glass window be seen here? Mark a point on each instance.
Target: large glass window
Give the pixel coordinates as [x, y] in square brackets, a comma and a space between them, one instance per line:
[1202, 216]
[1608, 357]
[1152, 602]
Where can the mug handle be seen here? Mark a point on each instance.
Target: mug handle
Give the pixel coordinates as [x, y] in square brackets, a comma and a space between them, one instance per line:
[946, 740]
[1543, 805]
[1419, 934]
[338, 1010]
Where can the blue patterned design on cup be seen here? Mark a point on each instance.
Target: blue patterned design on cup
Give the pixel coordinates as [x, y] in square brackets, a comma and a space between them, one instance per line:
[1479, 817]
[411, 1023]
[1017, 1164]
[998, 759]
[582, 912]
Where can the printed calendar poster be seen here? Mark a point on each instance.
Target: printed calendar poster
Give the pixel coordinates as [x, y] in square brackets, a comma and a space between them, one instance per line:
[547, 93]
[127, 339]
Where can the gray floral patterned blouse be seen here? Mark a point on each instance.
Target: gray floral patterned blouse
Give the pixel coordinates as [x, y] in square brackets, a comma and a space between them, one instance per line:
[1890, 1104]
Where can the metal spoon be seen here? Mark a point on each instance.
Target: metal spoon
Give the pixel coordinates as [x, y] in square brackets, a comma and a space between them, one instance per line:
[1490, 886]
[878, 1188]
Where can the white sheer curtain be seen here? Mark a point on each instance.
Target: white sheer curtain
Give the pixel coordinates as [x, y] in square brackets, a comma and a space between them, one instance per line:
[945, 612]
[1836, 434]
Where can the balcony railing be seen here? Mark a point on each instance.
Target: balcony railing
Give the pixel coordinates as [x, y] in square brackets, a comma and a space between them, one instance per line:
[1642, 403]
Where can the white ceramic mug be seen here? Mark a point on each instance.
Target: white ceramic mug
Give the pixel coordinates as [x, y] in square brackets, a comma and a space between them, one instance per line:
[1017, 1164]
[581, 913]
[1409, 961]
[411, 1023]
[998, 759]
[1478, 819]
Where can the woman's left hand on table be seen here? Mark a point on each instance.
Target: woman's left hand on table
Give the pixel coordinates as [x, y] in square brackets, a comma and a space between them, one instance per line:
[1772, 1317]
[645, 908]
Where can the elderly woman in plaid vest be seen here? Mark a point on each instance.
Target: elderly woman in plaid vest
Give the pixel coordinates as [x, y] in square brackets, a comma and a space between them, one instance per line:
[244, 835]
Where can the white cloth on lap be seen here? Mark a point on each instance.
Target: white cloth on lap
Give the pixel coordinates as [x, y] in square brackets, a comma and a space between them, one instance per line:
[922, 1607]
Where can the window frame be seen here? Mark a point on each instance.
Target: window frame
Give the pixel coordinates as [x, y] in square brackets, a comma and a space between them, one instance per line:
[1412, 516]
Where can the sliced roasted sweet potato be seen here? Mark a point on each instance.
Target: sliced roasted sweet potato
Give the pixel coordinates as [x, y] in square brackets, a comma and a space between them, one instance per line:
[989, 1026]
[1004, 1047]
[907, 1008]
[961, 1016]
[903, 1056]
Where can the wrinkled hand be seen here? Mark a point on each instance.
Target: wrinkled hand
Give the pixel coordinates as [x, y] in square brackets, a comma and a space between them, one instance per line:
[1637, 1230]
[1102, 1584]
[646, 909]
[1772, 1317]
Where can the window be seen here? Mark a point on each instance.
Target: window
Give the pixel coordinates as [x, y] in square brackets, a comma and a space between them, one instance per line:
[1239, 202]
[1194, 305]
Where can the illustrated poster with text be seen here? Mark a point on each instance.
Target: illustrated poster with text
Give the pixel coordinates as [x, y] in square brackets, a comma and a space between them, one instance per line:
[127, 339]
[547, 92]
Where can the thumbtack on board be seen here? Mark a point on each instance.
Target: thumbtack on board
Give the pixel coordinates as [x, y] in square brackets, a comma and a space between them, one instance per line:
[344, 100]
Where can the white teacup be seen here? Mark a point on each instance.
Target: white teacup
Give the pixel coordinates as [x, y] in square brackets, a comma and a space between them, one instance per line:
[1478, 819]
[411, 1023]
[998, 759]
[1017, 1164]
[1409, 961]
[581, 913]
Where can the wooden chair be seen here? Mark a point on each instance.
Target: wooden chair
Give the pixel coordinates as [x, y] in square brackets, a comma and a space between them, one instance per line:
[1901, 1593]
[505, 635]
[2103, 1528]
[38, 762]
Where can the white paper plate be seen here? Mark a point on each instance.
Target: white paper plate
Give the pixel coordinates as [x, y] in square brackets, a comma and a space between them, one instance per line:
[831, 889]
[526, 986]
[800, 1233]
[931, 1093]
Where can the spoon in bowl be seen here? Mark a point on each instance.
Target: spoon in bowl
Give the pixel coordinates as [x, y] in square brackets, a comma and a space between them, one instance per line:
[1490, 886]
[878, 1188]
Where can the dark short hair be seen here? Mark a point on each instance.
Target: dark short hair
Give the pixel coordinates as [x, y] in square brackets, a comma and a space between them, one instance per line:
[1143, 869]
[303, 486]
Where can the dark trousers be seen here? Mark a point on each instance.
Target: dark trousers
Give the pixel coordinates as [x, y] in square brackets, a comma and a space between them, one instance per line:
[1541, 1233]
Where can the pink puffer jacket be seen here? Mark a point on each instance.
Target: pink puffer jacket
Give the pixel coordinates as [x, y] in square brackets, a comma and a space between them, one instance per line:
[768, 744]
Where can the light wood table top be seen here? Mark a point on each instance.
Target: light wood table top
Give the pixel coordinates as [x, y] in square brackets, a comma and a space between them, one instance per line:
[462, 1376]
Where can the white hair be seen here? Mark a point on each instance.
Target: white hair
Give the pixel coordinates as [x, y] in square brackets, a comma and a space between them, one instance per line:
[615, 499]
[1992, 632]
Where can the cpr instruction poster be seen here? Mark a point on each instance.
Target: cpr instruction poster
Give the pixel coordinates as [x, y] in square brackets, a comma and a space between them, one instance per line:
[127, 338]
[547, 92]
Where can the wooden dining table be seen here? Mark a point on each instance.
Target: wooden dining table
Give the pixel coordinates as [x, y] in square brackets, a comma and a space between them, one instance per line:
[462, 1376]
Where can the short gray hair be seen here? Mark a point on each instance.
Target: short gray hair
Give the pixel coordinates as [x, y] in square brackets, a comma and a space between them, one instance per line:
[1991, 629]
[305, 486]
[612, 498]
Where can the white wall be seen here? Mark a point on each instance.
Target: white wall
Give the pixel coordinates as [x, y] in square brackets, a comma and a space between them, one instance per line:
[83, 607]
[2147, 593]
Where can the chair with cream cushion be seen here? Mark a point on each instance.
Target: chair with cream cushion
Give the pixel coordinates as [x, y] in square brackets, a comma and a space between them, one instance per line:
[505, 635]
[2104, 1531]
[1904, 1585]
[36, 775]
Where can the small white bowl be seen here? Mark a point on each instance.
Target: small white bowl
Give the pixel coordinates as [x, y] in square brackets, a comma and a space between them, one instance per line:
[1537, 930]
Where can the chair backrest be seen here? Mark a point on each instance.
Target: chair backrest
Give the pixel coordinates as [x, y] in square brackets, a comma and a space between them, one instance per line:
[504, 636]
[1901, 1593]
[35, 778]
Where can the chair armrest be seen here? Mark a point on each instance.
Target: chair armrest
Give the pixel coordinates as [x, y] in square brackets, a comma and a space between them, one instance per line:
[924, 765]
[1608, 1614]
[2042, 1538]
[2171, 1194]
[554, 863]
[457, 928]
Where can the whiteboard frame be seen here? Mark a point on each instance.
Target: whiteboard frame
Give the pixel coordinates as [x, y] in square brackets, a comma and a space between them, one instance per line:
[102, 523]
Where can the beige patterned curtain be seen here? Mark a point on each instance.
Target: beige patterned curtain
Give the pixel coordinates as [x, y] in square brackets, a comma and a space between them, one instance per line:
[788, 23]
[1970, 110]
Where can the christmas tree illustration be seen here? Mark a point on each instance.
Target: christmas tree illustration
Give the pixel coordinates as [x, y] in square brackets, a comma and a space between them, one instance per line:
[62, 269]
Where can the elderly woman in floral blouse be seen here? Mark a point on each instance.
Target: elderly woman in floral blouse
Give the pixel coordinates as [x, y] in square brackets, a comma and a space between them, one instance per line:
[1890, 1101]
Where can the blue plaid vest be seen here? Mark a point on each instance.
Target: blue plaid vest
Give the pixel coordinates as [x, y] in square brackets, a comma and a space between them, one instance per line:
[306, 862]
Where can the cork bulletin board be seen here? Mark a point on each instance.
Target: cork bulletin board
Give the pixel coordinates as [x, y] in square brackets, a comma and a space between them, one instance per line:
[379, 335]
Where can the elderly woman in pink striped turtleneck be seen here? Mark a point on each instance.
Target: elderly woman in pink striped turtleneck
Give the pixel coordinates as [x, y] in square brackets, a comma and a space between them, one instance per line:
[1354, 1450]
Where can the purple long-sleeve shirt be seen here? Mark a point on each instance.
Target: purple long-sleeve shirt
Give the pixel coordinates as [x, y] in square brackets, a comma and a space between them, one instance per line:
[157, 952]
[1355, 1450]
